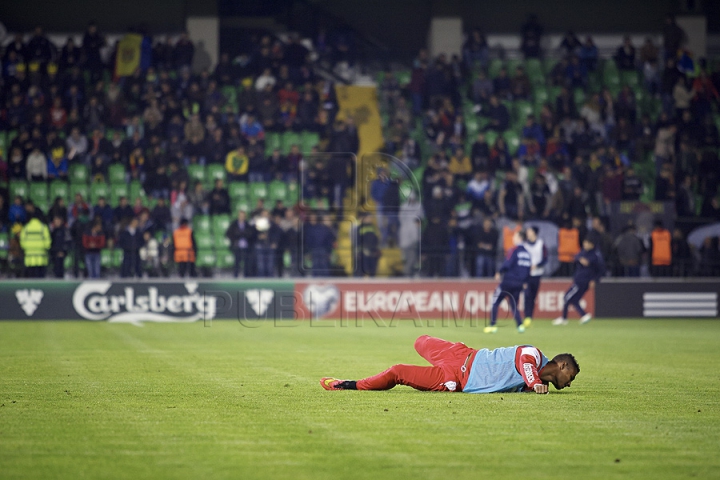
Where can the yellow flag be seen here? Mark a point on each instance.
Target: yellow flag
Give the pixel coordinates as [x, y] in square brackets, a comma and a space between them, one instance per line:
[128, 55]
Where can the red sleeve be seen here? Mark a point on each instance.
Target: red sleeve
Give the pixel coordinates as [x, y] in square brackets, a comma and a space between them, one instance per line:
[86, 241]
[527, 362]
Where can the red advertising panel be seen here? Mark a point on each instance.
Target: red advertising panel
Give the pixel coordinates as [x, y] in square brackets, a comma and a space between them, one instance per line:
[384, 301]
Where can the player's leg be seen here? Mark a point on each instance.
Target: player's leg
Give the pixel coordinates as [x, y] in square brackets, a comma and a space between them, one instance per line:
[432, 349]
[441, 352]
[513, 300]
[566, 304]
[533, 285]
[419, 378]
[575, 302]
[498, 297]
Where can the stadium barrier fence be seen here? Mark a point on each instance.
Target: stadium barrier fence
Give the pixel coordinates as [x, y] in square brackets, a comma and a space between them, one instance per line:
[462, 302]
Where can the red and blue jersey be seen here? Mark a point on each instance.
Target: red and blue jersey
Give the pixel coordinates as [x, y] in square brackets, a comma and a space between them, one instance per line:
[508, 369]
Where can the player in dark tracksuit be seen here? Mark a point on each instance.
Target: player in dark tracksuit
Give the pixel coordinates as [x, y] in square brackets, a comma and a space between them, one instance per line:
[515, 270]
[589, 268]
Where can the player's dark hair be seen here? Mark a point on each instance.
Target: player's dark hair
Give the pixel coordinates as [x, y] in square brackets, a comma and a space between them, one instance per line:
[523, 235]
[568, 358]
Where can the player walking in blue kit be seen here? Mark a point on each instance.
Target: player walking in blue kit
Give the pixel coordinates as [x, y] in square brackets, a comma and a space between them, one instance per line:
[589, 268]
[515, 272]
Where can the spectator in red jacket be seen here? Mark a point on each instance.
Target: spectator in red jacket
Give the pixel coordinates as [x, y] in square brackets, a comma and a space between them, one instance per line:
[93, 241]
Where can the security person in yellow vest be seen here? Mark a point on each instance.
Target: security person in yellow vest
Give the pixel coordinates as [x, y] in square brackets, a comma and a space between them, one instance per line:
[661, 248]
[185, 249]
[568, 247]
[35, 240]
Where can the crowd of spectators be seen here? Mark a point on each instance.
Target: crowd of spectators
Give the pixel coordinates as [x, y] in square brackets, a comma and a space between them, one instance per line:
[62, 109]
[556, 136]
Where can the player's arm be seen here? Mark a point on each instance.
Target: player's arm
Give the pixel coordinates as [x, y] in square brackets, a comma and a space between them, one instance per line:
[527, 362]
[509, 261]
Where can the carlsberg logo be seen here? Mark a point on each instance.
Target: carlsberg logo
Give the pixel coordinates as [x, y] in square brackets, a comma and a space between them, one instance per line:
[91, 302]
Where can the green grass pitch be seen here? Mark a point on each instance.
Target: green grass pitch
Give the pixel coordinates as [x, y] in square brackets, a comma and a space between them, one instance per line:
[98, 400]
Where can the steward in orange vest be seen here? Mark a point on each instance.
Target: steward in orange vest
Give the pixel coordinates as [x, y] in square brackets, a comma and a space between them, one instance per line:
[508, 234]
[568, 247]
[661, 248]
[185, 249]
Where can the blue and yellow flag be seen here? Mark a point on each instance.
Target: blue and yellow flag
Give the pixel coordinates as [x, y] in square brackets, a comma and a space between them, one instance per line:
[128, 55]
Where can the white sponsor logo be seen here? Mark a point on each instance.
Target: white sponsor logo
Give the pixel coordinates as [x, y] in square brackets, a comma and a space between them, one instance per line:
[529, 372]
[680, 304]
[259, 300]
[29, 300]
[91, 302]
[452, 386]
[321, 299]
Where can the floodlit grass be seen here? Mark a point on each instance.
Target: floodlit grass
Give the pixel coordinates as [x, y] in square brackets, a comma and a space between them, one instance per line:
[98, 400]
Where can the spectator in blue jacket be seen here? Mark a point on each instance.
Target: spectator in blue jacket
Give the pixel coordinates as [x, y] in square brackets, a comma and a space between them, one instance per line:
[17, 214]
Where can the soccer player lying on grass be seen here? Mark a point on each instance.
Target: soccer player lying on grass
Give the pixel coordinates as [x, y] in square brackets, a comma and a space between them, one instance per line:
[459, 368]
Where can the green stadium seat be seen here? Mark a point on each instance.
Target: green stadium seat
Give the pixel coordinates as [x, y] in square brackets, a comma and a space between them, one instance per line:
[220, 241]
[406, 187]
[522, 110]
[78, 174]
[4, 245]
[293, 192]
[495, 66]
[69, 257]
[548, 64]
[289, 139]
[579, 98]
[4, 144]
[201, 224]
[540, 95]
[98, 190]
[512, 64]
[204, 241]
[117, 191]
[116, 174]
[58, 188]
[241, 204]
[490, 137]
[117, 258]
[106, 258]
[18, 188]
[512, 139]
[277, 190]
[258, 190]
[630, 78]
[238, 189]
[136, 190]
[272, 141]
[403, 77]
[220, 224]
[611, 78]
[225, 259]
[214, 172]
[79, 188]
[196, 173]
[38, 190]
[230, 94]
[205, 258]
[308, 140]
[533, 66]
